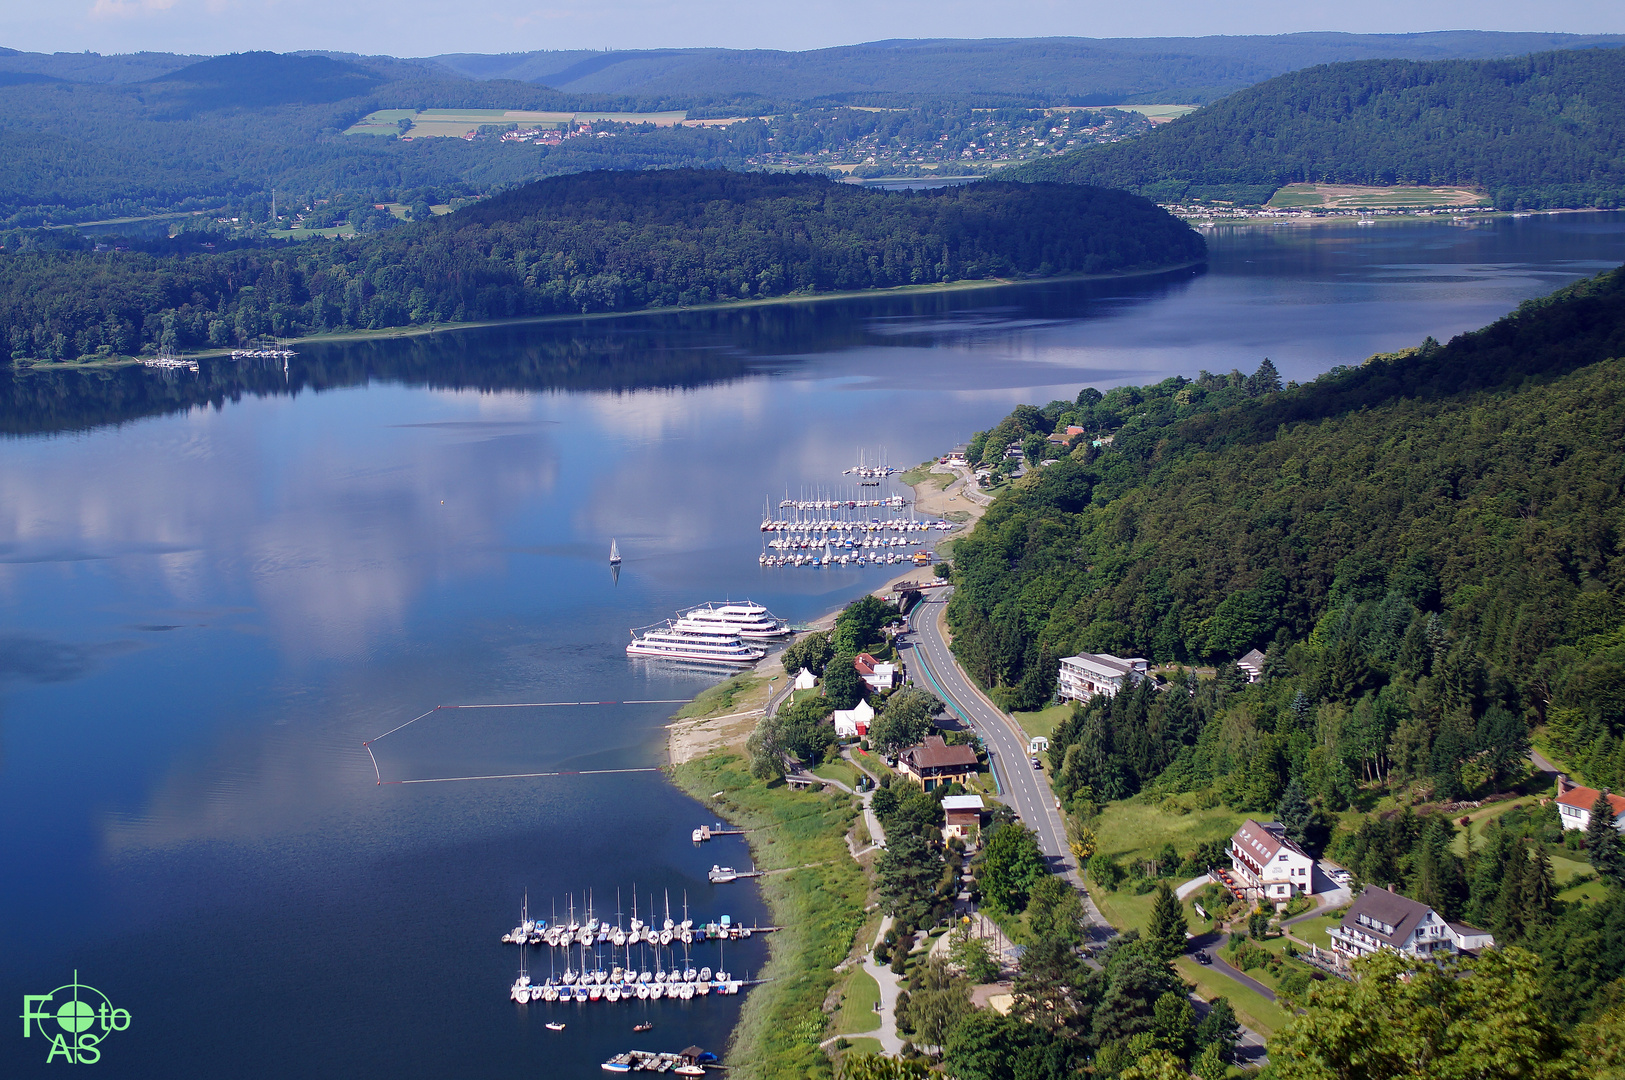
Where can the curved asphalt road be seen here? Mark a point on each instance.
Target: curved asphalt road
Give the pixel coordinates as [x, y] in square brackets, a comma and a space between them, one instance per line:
[1024, 788]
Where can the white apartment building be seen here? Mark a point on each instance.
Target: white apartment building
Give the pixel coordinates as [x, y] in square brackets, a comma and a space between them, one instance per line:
[1269, 866]
[1087, 674]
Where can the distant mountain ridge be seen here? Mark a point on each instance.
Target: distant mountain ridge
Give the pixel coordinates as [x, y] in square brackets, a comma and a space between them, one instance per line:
[1079, 71]
[1537, 131]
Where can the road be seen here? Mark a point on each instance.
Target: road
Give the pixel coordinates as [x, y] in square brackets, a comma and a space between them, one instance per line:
[1024, 788]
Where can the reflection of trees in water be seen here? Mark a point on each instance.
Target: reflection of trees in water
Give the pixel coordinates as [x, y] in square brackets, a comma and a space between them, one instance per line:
[675, 350]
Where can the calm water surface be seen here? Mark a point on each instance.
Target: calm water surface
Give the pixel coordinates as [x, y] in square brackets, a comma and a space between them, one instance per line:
[215, 587]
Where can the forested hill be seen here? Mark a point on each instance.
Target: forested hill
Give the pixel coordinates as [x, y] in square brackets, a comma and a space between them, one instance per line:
[1539, 131]
[1435, 533]
[592, 242]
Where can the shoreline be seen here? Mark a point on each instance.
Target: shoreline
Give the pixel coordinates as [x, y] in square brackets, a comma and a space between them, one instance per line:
[401, 332]
[804, 968]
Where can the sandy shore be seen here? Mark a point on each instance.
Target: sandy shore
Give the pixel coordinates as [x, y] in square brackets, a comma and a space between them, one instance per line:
[941, 493]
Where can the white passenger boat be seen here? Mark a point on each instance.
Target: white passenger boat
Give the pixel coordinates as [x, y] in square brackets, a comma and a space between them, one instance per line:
[745, 619]
[687, 639]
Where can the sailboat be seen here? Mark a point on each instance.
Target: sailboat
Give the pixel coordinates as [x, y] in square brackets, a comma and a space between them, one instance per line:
[614, 553]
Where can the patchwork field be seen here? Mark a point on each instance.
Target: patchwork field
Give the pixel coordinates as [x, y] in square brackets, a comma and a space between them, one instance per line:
[1356, 197]
[455, 123]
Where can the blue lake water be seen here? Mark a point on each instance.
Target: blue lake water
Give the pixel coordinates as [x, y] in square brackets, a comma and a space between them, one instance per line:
[215, 587]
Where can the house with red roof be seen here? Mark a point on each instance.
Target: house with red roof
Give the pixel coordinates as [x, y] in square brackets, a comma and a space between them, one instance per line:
[1268, 865]
[1574, 803]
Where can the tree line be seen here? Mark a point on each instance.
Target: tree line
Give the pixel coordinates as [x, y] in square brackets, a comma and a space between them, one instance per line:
[1546, 130]
[615, 241]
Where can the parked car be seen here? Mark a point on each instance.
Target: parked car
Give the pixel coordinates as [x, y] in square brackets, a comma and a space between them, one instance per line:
[1037, 764]
[1203, 958]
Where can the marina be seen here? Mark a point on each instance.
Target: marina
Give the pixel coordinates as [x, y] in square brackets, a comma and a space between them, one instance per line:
[637, 962]
[840, 527]
[691, 1062]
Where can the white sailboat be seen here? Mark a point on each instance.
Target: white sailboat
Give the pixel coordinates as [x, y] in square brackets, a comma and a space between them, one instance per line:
[614, 553]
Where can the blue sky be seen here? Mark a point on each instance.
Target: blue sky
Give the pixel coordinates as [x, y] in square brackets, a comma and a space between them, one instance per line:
[426, 27]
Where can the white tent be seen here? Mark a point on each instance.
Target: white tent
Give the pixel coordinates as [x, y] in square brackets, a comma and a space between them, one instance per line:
[853, 723]
[806, 680]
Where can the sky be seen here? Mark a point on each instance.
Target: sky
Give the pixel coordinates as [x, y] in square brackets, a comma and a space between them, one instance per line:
[428, 27]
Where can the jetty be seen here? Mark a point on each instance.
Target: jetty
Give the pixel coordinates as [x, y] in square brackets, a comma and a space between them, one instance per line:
[721, 875]
[690, 1062]
[706, 832]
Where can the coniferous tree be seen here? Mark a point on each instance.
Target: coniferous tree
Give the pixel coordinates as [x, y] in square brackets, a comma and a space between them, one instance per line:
[1603, 841]
[1294, 813]
[1507, 915]
[1540, 889]
[1439, 882]
[1166, 934]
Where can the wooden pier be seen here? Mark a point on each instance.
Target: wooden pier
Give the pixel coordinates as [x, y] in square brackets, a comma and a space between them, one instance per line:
[706, 832]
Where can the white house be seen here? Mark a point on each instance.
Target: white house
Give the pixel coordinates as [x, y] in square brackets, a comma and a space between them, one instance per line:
[1253, 665]
[1382, 919]
[806, 680]
[853, 723]
[1268, 865]
[1574, 804]
[878, 675]
[1087, 674]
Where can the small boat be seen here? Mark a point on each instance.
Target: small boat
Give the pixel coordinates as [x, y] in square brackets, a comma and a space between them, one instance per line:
[688, 1070]
[647, 1025]
[618, 1064]
[614, 553]
[555, 1026]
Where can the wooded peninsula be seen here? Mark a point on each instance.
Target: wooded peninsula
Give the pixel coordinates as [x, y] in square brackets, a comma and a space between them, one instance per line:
[592, 242]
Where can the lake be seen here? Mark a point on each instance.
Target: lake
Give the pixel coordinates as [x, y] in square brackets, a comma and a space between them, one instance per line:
[214, 587]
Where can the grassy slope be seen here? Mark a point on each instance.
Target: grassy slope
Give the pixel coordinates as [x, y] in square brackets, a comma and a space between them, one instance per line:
[820, 907]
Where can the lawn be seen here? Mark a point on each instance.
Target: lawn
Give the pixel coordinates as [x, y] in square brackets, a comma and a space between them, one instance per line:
[838, 770]
[1132, 829]
[1252, 1008]
[858, 1003]
[1042, 723]
[1314, 930]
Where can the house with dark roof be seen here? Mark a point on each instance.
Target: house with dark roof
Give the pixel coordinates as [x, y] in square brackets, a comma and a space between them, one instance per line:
[1268, 865]
[1382, 919]
[934, 762]
[1574, 803]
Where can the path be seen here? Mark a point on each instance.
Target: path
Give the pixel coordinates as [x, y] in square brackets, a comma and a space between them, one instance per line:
[891, 1043]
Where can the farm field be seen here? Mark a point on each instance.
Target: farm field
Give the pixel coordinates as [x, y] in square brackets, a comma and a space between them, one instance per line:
[1356, 197]
[455, 123]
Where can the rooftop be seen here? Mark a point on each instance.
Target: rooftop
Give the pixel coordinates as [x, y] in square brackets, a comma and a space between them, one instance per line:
[935, 753]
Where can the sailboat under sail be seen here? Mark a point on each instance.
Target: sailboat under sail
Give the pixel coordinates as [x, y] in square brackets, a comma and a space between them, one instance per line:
[614, 553]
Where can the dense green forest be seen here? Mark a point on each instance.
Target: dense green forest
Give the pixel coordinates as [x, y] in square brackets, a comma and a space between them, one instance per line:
[1537, 131]
[1427, 547]
[1425, 542]
[614, 241]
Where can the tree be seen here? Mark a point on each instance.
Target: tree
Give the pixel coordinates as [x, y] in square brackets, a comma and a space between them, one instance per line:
[986, 1046]
[904, 720]
[1053, 989]
[1010, 865]
[1219, 1030]
[766, 750]
[1295, 814]
[907, 876]
[1266, 380]
[843, 686]
[1408, 1018]
[1157, 1065]
[973, 956]
[1503, 740]
[1054, 911]
[812, 652]
[1166, 934]
[938, 999]
[1174, 1020]
[1603, 842]
[1135, 978]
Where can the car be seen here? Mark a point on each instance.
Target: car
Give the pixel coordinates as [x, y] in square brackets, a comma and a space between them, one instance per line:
[1037, 764]
[1203, 958]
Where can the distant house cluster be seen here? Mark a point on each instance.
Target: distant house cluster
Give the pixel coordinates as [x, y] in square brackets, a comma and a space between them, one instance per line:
[1087, 674]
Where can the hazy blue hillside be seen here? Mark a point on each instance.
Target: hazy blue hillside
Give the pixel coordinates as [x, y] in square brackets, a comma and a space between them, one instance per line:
[1035, 70]
[1543, 130]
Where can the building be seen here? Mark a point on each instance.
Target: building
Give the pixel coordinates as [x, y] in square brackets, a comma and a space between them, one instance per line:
[805, 680]
[1382, 919]
[1061, 438]
[1087, 674]
[1268, 866]
[961, 814]
[1574, 804]
[853, 723]
[1253, 665]
[934, 762]
[878, 675]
